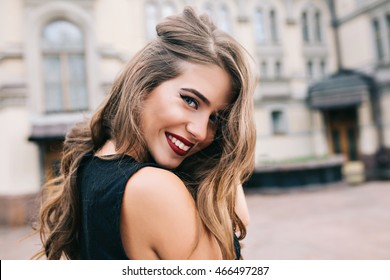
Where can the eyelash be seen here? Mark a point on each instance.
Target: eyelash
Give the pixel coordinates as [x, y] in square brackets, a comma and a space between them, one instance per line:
[189, 100]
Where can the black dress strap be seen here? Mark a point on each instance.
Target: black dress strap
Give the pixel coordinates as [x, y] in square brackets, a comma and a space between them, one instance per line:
[237, 247]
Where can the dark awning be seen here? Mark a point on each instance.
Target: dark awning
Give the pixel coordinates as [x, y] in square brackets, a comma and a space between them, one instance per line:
[49, 132]
[345, 88]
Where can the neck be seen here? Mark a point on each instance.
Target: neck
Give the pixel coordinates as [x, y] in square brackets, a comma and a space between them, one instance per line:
[107, 149]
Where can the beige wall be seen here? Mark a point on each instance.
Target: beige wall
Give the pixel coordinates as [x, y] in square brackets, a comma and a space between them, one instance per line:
[11, 24]
[386, 118]
[298, 142]
[357, 43]
[368, 134]
[19, 164]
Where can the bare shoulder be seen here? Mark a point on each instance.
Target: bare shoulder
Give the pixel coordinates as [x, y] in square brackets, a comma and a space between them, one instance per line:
[159, 218]
[152, 182]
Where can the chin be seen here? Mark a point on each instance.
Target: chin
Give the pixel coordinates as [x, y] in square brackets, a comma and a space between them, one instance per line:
[168, 164]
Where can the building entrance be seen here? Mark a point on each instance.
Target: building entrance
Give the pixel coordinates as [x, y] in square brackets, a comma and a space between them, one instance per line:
[342, 132]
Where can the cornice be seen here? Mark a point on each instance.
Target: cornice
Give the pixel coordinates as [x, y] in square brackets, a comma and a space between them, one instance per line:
[88, 4]
[360, 11]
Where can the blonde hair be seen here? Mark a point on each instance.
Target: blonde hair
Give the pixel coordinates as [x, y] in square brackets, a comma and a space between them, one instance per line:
[211, 175]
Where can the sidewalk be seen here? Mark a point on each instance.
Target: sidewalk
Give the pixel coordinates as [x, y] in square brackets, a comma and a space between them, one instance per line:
[331, 222]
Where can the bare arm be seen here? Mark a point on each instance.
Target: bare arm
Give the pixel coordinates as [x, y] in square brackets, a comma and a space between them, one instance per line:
[241, 206]
[159, 219]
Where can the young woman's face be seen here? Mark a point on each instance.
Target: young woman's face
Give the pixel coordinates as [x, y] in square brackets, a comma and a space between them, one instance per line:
[180, 116]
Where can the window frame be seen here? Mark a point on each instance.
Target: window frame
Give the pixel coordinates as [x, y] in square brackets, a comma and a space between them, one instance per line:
[64, 82]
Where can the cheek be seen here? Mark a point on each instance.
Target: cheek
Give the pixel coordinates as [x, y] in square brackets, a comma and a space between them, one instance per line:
[209, 139]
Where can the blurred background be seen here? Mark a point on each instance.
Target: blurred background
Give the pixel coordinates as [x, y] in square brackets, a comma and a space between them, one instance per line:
[323, 130]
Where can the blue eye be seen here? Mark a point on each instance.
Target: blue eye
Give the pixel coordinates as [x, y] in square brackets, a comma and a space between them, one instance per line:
[192, 102]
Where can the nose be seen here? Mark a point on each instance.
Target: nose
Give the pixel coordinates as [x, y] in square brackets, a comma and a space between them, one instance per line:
[198, 128]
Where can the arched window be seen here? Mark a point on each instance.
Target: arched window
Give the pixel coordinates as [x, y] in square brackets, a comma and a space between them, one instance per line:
[151, 17]
[305, 27]
[65, 81]
[259, 26]
[274, 27]
[312, 25]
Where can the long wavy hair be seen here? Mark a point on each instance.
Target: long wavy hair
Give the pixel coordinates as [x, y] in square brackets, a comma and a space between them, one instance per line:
[211, 175]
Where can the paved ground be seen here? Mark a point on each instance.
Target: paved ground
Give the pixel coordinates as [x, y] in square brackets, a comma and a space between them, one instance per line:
[332, 222]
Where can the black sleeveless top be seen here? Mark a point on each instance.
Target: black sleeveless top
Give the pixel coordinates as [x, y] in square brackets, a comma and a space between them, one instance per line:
[101, 185]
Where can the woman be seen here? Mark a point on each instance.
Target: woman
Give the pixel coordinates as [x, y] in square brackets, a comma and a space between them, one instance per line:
[154, 174]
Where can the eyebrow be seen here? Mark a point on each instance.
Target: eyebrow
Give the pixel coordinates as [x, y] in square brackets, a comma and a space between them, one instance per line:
[198, 94]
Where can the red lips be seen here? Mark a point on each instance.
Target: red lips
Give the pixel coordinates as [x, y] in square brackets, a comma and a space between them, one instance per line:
[175, 148]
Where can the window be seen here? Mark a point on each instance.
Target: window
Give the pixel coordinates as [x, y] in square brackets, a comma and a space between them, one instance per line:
[265, 23]
[318, 31]
[278, 122]
[388, 28]
[310, 72]
[64, 71]
[278, 69]
[259, 27]
[273, 22]
[305, 27]
[378, 39]
[312, 26]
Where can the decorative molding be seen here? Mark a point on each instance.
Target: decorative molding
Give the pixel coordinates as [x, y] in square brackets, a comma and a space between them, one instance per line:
[87, 4]
[315, 50]
[12, 95]
[11, 53]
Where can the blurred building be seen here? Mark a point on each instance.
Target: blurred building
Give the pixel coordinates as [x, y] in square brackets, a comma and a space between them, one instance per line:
[323, 74]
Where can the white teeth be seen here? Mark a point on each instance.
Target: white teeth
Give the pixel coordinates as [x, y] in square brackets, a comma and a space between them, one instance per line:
[178, 143]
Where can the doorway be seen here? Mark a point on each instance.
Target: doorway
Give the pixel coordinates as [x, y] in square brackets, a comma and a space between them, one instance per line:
[52, 153]
[342, 132]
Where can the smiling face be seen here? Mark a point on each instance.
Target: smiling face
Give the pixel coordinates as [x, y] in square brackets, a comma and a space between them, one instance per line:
[180, 116]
